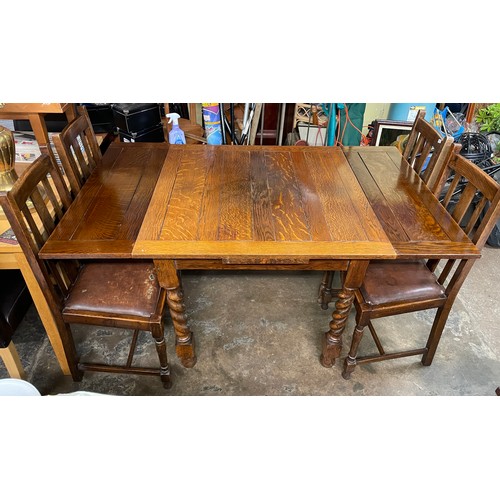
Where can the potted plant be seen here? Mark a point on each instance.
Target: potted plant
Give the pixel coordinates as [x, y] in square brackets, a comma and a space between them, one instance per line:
[489, 120]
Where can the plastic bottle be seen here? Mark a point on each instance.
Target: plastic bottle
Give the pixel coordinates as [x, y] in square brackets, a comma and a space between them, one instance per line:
[212, 118]
[176, 135]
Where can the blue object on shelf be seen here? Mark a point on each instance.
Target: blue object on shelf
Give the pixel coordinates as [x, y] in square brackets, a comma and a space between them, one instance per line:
[403, 111]
[330, 110]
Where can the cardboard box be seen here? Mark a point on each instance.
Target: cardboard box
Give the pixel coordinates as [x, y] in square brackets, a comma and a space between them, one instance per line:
[27, 149]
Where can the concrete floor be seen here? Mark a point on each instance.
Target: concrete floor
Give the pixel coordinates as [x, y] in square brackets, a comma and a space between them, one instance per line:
[260, 334]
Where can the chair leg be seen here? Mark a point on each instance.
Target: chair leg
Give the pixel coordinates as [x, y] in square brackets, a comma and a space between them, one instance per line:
[10, 357]
[350, 360]
[161, 348]
[435, 335]
[325, 289]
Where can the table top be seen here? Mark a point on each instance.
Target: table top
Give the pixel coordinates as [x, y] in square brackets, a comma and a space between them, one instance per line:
[417, 225]
[105, 217]
[266, 203]
[255, 204]
[32, 107]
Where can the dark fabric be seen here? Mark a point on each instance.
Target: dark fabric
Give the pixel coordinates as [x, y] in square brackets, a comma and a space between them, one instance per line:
[388, 281]
[15, 300]
[115, 287]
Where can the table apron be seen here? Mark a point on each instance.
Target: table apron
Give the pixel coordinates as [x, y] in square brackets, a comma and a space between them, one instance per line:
[270, 264]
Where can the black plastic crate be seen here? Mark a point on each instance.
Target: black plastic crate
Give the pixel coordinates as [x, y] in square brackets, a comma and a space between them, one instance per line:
[154, 134]
[101, 117]
[136, 117]
[55, 122]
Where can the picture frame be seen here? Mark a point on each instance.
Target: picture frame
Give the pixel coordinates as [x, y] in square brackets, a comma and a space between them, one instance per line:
[386, 132]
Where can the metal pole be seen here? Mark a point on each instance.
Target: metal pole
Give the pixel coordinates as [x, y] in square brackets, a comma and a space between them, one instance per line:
[223, 129]
[309, 125]
[262, 124]
[282, 123]
[233, 138]
[245, 115]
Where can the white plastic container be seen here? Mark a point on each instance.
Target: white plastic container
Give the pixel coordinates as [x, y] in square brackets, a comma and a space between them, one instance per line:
[17, 387]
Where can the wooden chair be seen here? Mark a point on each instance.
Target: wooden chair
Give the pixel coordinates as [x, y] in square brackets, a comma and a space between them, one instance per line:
[78, 150]
[424, 140]
[397, 287]
[122, 294]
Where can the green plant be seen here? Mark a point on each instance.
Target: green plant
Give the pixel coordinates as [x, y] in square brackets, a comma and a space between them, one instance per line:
[489, 118]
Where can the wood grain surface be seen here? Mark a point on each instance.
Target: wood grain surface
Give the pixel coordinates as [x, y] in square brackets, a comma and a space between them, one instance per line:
[105, 217]
[273, 205]
[413, 219]
[255, 202]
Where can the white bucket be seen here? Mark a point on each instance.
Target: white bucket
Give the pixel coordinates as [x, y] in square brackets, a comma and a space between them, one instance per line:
[17, 387]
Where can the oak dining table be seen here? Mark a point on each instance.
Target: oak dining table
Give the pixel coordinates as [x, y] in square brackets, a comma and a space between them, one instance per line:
[255, 208]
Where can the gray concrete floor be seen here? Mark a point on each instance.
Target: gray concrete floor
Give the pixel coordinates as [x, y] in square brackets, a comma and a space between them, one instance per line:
[260, 334]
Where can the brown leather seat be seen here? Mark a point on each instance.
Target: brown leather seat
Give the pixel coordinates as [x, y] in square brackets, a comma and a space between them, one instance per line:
[387, 282]
[113, 288]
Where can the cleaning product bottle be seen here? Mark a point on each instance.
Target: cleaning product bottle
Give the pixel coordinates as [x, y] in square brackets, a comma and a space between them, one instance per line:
[212, 118]
[176, 135]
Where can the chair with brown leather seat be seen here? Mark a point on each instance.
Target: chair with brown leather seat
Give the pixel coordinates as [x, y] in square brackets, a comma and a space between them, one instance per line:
[78, 150]
[397, 287]
[426, 151]
[15, 299]
[122, 294]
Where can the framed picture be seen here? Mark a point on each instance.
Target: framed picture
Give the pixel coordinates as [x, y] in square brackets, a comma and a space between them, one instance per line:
[390, 132]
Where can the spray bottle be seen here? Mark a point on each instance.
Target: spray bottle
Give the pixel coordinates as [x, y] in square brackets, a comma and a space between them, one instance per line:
[176, 135]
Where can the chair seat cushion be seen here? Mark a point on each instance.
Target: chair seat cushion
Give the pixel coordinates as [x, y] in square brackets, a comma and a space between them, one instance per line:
[108, 288]
[15, 300]
[389, 281]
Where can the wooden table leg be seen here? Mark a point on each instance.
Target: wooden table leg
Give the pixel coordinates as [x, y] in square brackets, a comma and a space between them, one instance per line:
[37, 122]
[45, 314]
[70, 112]
[184, 340]
[10, 357]
[332, 340]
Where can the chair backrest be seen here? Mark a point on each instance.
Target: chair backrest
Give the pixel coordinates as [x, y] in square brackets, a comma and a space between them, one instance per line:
[34, 206]
[425, 140]
[472, 197]
[78, 150]
[473, 200]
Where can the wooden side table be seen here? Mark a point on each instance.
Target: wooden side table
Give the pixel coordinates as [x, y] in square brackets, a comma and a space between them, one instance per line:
[35, 113]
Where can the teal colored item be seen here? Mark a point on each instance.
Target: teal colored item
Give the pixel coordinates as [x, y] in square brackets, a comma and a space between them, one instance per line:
[330, 110]
[350, 134]
[176, 135]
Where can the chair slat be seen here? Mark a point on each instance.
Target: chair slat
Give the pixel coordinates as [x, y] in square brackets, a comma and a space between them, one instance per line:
[451, 190]
[464, 202]
[475, 216]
